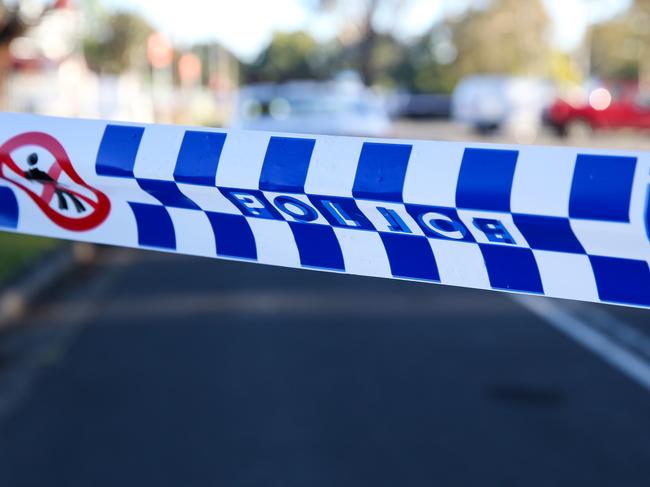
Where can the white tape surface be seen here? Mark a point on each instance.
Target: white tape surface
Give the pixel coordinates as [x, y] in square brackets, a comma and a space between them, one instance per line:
[565, 222]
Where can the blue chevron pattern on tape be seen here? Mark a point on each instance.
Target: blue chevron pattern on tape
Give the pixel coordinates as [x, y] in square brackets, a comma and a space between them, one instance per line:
[561, 222]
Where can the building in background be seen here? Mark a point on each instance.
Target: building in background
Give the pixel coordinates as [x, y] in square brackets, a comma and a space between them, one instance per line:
[78, 59]
[49, 73]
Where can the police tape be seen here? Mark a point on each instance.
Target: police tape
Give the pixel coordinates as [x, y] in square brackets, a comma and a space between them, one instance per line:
[563, 222]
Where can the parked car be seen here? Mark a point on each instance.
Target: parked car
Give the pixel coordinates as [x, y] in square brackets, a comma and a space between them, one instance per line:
[601, 106]
[420, 105]
[333, 107]
[494, 102]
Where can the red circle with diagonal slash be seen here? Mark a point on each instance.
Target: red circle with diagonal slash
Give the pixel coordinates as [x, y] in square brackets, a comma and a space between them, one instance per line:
[98, 208]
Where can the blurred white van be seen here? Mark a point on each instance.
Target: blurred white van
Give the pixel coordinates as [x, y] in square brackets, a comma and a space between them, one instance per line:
[514, 104]
[313, 107]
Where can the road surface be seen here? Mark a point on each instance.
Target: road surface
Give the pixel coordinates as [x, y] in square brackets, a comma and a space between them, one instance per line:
[153, 369]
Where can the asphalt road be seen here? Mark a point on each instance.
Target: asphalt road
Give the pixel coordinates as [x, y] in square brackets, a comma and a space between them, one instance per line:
[145, 368]
[152, 369]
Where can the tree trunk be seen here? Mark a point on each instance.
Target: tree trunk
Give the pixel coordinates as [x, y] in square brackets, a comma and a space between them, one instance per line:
[5, 68]
[367, 44]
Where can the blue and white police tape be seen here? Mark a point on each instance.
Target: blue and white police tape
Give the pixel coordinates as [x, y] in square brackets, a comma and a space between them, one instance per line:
[564, 222]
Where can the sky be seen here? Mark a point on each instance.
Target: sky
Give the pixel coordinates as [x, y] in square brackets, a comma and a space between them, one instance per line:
[246, 26]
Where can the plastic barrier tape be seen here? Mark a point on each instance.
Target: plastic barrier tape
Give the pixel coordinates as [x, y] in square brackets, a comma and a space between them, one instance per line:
[565, 222]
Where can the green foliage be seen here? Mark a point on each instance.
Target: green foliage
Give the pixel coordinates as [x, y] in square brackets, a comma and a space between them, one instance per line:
[505, 36]
[119, 44]
[510, 36]
[613, 53]
[390, 63]
[17, 251]
[419, 71]
[620, 48]
[290, 55]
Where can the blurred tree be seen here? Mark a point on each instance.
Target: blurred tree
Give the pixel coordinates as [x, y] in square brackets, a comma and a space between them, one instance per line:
[424, 67]
[612, 54]
[14, 20]
[503, 36]
[498, 36]
[620, 48]
[290, 55]
[382, 63]
[364, 46]
[119, 44]
[12, 24]
[508, 36]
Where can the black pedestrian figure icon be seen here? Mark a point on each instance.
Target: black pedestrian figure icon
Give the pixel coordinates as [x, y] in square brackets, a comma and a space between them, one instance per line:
[35, 174]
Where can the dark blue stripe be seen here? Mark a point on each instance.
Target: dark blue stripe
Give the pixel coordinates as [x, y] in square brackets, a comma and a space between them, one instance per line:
[155, 227]
[286, 164]
[233, 236]
[198, 157]
[485, 179]
[647, 213]
[622, 281]
[317, 246]
[118, 150]
[410, 257]
[601, 187]
[381, 171]
[167, 193]
[8, 208]
[548, 233]
[512, 268]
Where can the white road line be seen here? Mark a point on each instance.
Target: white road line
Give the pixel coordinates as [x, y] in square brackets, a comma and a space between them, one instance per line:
[620, 331]
[616, 355]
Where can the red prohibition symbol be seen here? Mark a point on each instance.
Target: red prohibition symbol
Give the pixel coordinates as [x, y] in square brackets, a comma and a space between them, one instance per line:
[73, 204]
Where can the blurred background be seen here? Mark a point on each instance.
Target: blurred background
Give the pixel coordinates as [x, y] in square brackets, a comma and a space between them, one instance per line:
[521, 69]
[141, 368]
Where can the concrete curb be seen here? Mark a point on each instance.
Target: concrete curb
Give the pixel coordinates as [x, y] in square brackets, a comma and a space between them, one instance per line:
[16, 297]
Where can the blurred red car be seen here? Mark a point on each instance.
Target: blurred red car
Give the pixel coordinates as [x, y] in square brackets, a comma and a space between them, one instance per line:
[612, 106]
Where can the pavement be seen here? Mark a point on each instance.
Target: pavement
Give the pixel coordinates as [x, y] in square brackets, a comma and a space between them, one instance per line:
[145, 368]
[154, 369]
[620, 139]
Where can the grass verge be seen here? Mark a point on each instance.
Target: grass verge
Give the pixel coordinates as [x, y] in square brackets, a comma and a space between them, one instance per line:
[18, 251]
